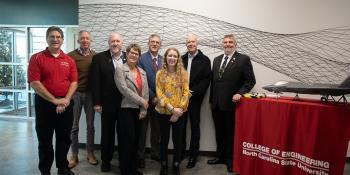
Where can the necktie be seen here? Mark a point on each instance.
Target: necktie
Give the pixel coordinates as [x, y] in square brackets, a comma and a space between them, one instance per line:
[222, 68]
[155, 63]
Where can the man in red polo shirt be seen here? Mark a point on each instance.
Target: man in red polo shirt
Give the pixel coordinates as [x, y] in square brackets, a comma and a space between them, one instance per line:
[53, 76]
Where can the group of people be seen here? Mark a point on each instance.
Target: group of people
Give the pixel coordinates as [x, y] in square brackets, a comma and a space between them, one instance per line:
[132, 90]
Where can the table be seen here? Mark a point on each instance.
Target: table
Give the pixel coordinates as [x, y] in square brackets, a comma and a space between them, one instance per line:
[282, 136]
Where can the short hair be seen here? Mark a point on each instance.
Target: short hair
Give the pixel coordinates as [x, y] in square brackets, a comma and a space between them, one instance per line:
[154, 35]
[134, 46]
[54, 28]
[231, 36]
[192, 35]
[84, 31]
[117, 34]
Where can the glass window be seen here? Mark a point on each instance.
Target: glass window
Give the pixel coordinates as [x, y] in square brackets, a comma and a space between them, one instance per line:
[17, 44]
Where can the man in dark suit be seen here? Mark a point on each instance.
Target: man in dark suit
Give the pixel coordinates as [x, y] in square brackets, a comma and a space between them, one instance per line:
[106, 97]
[232, 76]
[198, 67]
[150, 62]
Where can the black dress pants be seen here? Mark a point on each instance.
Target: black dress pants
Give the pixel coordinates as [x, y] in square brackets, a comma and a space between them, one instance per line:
[224, 122]
[109, 126]
[129, 132]
[193, 113]
[46, 123]
[177, 129]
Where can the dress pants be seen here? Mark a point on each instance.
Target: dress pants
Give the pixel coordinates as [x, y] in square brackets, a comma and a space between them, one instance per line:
[152, 118]
[224, 122]
[46, 123]
[83, 99]
[109, 118]
[193, 113]
[177, 129]
[129, 131]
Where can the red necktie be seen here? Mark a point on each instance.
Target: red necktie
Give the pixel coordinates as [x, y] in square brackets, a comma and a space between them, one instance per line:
[155, 64]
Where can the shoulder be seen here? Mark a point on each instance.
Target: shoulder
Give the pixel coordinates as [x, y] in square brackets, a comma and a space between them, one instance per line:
[185, 56]
[105, 55]
[141, 70]
[73, 52]
[203, 57]
[37, 55]
[69, 59]
[241, 57]
[218, 57]
[160, 72]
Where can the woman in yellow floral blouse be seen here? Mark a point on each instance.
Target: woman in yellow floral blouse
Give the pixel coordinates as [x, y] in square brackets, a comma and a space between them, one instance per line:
[173, 93]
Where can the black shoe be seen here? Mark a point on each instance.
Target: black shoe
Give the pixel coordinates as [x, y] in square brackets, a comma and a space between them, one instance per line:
[229, 166]
[46, 173]
[141, 163]
[215, 161]
[138, 173]
[105, 166]
[64, 171]
[191, 162]
[163, 170]
[176, 169]
[155, 157]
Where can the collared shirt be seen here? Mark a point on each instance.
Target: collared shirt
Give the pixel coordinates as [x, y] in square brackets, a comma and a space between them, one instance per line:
[55, 73]
[190, 58]
[228, 60]
[117, 60]
[81, 52]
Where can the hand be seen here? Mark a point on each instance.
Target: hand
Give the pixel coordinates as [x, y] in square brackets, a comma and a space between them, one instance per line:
[142, 115]
[174, 118]
[236, 98]
[177, 111]
[60, 109]
[190, 94]
[61, 102]
[145, 104]
[98, 108]
[155, 101]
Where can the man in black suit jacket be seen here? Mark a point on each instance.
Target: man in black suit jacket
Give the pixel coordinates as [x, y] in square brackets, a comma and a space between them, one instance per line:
[198, 66]
[105, 94]
[232, 76]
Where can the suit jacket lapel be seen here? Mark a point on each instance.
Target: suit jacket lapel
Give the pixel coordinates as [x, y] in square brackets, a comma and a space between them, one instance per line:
[110, 63]
[232, 63]
[129, 75]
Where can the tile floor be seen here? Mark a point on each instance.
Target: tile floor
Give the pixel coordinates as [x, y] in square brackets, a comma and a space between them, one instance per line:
[18, 153]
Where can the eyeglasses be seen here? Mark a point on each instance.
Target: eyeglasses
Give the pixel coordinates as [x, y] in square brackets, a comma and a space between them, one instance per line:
[134, 53]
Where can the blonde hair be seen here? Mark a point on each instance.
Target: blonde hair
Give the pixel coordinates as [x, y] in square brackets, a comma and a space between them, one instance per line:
[179, 67]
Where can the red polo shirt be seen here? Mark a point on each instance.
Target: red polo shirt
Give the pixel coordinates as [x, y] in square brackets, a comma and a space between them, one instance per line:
[56, 74]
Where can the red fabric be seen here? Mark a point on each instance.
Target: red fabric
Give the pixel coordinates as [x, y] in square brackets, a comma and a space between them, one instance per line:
[56, 74]
[315, 130]
[139, 82]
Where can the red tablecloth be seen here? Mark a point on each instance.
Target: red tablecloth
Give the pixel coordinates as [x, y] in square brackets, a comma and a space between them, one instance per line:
[282, 137]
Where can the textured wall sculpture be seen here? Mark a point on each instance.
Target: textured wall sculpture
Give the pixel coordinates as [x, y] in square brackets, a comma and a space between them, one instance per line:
[320, 56]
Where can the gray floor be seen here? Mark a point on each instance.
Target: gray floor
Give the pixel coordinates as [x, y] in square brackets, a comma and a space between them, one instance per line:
[18, 153]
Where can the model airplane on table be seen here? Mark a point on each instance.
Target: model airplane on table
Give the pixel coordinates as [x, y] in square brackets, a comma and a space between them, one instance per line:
[328, 91]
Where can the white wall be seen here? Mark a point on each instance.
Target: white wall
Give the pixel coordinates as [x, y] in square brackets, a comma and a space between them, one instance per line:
[275, 16]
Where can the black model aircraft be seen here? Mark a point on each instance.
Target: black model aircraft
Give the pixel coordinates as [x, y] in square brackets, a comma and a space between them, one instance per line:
[328, 91]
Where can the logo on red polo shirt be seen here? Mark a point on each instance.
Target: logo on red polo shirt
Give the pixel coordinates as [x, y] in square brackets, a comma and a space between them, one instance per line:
[64, 63]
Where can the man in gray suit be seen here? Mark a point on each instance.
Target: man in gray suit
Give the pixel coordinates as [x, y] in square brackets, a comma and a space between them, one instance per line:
[150, 61]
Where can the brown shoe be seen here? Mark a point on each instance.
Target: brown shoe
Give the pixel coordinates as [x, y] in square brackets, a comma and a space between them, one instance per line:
[73, 161]
[92, 159]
